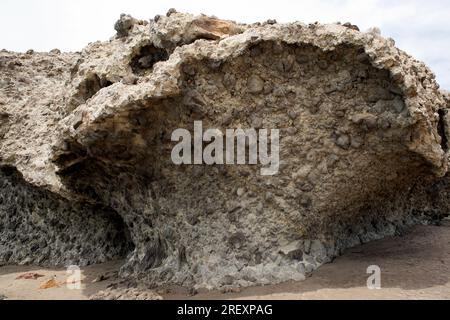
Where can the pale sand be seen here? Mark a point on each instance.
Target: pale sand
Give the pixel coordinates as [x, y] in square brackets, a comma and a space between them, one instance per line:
[415, 266]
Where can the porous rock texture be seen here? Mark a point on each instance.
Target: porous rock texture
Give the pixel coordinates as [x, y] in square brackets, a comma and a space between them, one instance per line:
[85, 143]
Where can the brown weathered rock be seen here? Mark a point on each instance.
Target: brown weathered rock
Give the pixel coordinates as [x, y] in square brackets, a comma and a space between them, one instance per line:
[364, 145]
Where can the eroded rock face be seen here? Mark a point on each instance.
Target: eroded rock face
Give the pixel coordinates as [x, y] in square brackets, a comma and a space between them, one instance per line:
[363, 146]
[41, 228]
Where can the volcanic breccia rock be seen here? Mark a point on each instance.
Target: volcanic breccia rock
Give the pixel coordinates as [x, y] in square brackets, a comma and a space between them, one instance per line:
[85, 147]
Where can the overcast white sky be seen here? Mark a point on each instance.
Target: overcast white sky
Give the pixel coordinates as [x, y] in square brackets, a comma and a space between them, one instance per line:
[420, 27]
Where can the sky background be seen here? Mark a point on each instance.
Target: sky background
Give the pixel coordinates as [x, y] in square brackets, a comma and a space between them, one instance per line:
[422, 28]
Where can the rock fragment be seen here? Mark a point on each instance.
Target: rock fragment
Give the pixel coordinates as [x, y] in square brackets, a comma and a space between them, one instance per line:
[86, 154]
[124, 25]
[255, 84]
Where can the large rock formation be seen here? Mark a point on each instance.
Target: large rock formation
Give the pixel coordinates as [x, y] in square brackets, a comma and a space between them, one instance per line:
[86, 149]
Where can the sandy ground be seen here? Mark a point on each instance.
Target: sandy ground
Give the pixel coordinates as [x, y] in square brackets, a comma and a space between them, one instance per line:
[415, 266]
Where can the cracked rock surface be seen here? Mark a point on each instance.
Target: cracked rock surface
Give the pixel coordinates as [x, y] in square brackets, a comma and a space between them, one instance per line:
[363, 147]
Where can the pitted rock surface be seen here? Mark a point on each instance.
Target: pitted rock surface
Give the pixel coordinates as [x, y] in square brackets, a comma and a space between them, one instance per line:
[363, 148]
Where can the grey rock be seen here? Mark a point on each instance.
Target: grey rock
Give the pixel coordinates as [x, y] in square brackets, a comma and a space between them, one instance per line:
[55, 51]
[343, 141]
[124, 25]
[237, 240]
[87, 175]
[255, 84]
[366, 120]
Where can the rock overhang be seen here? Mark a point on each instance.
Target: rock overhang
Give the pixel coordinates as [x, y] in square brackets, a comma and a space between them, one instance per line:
[350, 155]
